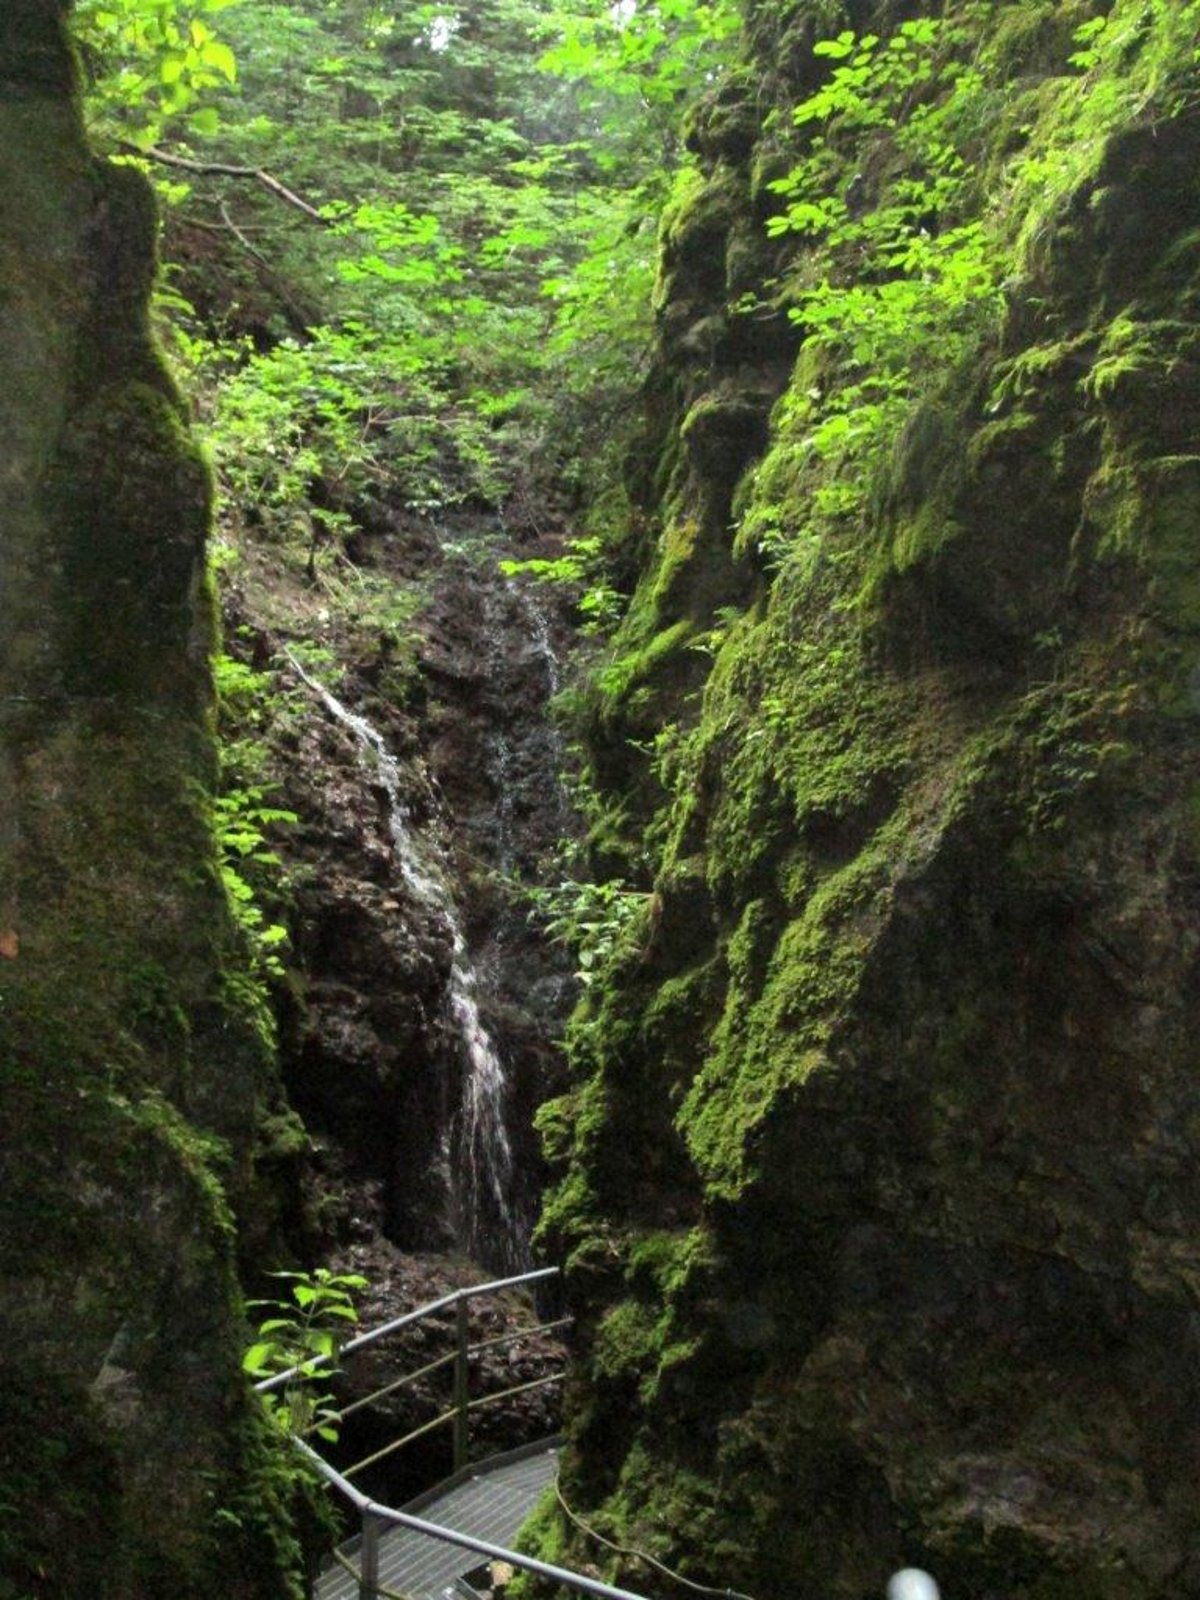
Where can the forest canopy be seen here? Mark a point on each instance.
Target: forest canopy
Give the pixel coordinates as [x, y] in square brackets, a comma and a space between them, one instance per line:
[412, 243]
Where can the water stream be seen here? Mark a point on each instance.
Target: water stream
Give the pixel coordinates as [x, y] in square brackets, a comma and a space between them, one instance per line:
[475, 1142]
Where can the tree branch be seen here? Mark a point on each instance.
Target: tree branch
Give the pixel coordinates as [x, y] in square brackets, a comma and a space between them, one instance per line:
[224, 169]
[241, 237]
[299, 317]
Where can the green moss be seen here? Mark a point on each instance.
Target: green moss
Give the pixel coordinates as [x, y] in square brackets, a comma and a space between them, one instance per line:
[776, 1029]
[127, 467]
[553, 1122]
[634, 670]
[626, 1340]
[1034, 39]
[570, 1214]
[677, 551]
[59, 1471]
[683, 1002]
[655, 1496]
[922, 535]
[694, 229]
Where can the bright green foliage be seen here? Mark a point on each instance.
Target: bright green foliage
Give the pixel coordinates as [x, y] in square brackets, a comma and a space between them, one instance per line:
[153, 60]
[301, 1337]
[582, 567]
[1136, 61]
[877, 338]
[444, 282]
[474, 315]
[657, 55]
[242, 816]
[591, 919]
[905, 269]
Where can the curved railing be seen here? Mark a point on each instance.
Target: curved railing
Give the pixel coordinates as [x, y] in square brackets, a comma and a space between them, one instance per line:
[457, 1415]
[375, 1518]
[909, 1584]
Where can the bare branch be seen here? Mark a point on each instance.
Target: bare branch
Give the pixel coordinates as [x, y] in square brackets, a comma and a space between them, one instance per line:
[300, 318]
[241, 237]
[224, 169]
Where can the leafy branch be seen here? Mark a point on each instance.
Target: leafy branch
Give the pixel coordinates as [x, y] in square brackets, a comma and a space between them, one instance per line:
[151, 61]
[591, 919]
[301, 1336]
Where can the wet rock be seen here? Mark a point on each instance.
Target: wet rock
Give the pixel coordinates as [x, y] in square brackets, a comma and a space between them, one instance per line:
[395, 969]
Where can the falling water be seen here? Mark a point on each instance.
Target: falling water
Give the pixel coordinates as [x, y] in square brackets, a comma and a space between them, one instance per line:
[518, 777]
[478, 1151]
[486, 1155]
[540, 633]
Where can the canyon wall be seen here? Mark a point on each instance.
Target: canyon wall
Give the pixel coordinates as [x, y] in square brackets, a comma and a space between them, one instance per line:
[878, 1179]
[133, 1061]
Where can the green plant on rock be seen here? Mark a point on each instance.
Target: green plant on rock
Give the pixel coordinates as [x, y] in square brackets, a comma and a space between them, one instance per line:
[906, 275]
[301, 1337]
[240, 817]
[242, 813]
[581, 567]
[591, 919]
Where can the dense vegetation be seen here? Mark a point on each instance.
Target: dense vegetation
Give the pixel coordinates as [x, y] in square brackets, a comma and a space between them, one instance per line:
[856, 1167]
[441, 278]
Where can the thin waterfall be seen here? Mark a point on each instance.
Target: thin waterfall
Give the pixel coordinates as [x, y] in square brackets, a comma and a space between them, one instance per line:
[476, 1143]
[540, 633]
[508, 747]
[485, 1164]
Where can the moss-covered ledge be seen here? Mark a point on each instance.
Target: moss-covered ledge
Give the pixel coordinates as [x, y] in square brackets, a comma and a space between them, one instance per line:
[130, 1070]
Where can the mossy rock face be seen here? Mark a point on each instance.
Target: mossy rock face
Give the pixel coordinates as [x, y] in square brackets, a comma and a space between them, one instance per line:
[131, 1068]
[726, 125]
[879, 1179]
[33, 64]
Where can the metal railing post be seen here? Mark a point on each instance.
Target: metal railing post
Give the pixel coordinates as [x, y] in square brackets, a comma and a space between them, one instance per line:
[461, 1379]
[368, 1564]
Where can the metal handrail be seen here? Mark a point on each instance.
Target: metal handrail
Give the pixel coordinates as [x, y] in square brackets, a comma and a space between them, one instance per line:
[512, 1337]
[517, 1388]
[462, 1404]
[396, 1383]
[374, 1514]
[450, 1415]
[398, 1444]
[515, 1335]
[455, 1298]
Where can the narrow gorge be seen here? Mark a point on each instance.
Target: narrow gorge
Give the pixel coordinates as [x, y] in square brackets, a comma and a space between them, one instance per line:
[600, 664]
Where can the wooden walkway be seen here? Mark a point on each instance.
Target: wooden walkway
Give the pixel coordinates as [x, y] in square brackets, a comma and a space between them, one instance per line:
[489, 1501]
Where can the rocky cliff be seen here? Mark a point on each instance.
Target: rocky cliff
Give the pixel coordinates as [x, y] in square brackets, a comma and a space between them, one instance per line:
[131, 1056]
[406, 894]
[878, 1179]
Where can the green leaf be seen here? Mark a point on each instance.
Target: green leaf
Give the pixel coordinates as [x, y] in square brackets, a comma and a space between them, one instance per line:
[837, 49]
[259, 1357]
[219, 56]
